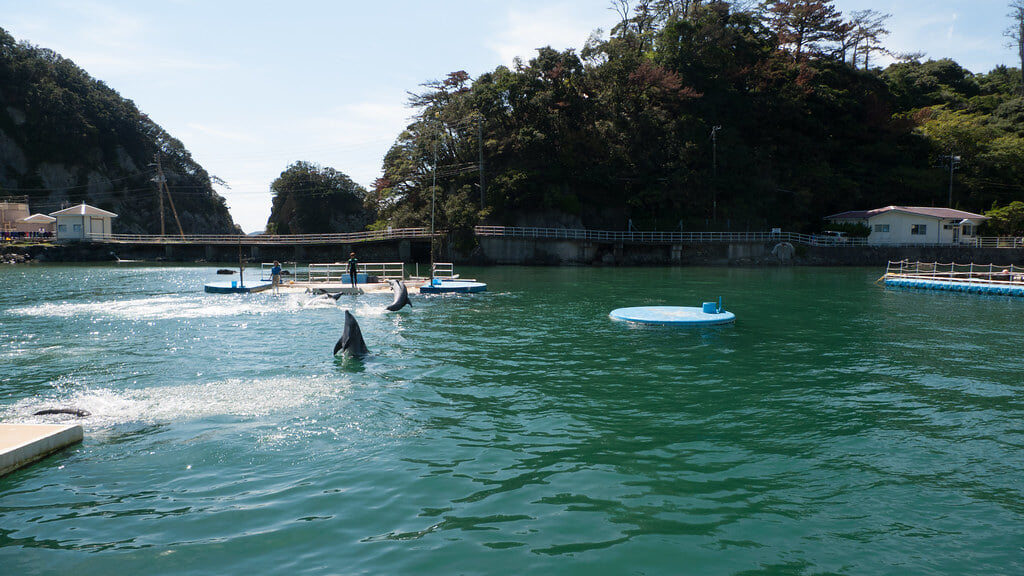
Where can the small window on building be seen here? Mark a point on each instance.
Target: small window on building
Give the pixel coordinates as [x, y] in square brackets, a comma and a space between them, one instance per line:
[883, 228]
[76, 227]
[918, 229]
[967, 230]
[62, 228]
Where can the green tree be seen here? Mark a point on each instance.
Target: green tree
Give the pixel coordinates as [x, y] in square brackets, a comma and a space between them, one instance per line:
[1007, 220]
[622, 132]
[310, 199]
[802, 25]
[862, 36]
[935, 82]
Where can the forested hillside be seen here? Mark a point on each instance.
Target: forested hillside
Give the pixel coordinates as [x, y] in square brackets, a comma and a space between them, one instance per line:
[691, 114]
[706, 116]
[66, 138]
[311, 199]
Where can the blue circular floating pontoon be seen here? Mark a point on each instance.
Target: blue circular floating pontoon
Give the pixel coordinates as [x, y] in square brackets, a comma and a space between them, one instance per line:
[233, 287]
[437, 286]
[675, 315]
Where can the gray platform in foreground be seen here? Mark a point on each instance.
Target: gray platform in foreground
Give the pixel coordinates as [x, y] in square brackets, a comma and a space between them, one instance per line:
[23, 444]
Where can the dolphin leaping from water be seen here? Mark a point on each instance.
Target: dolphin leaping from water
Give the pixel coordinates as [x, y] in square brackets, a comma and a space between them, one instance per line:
[351, 341]
[401, 296]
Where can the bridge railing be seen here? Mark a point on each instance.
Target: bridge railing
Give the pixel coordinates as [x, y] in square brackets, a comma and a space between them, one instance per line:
[627, 236]
[264, 239]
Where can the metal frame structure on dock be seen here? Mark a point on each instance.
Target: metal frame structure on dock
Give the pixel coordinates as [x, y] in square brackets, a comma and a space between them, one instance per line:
[977, 278]
[334, 271]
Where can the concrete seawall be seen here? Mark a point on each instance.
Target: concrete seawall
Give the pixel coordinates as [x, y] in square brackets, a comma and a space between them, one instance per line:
[527, 251]
[493, 250]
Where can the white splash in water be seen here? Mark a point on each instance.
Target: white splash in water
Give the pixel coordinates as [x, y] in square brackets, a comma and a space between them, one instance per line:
[240, 398]
[154, 308]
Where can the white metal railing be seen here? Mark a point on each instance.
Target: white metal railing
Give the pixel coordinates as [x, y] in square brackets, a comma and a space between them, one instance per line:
[238, 239]
[442, 270]
[678, 237]
[675, 237]
[631, 236]
[998, 242]
[384, 270]
[327, 272]
[334, 271]
[954, 272]
[290, 269]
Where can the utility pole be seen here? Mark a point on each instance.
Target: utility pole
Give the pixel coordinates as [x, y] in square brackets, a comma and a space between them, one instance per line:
[160, 190]
[480, 148]
[433, 195]
[714, 172]
[162, 185]
[953, 163]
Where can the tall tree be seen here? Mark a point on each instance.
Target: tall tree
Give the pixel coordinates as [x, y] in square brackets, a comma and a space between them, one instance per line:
[637, 23]
[310, 199]
[867, 29]
[1016, 35]
[802, 24]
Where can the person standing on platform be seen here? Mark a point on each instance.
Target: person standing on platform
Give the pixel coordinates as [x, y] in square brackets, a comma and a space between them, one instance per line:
[353, 267]
[275, 277]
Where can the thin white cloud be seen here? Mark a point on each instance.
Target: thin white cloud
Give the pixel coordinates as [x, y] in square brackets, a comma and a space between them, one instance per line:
[557, 25]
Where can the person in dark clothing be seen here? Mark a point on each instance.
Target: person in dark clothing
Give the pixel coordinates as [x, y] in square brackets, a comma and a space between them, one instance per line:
[353, 267]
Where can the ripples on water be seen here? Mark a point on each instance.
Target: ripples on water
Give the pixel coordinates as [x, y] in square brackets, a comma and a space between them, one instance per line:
[837, 427]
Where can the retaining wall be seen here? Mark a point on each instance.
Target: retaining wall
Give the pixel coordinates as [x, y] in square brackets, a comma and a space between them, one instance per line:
[538, 252]
[528, 251]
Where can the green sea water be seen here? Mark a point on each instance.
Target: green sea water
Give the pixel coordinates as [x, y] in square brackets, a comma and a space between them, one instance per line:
[838, 427]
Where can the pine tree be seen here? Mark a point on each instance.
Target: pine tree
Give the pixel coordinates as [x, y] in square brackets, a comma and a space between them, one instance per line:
[802, 25]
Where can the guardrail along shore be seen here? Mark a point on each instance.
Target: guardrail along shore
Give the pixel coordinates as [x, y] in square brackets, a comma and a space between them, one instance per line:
[679, 237]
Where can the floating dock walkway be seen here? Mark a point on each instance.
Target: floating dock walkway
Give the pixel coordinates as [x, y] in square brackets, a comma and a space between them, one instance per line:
[972, 278]
[23, 444]
[333, 278]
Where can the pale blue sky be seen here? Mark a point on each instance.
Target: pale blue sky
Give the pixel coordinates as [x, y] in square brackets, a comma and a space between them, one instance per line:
[252, 86]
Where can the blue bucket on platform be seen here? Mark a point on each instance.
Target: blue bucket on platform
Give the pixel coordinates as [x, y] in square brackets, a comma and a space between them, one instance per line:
[435, 281]
[710, 308]
[234, 283]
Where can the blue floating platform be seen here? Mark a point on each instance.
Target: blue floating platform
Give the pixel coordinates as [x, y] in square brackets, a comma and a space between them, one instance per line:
[233, 287]
[452, 287]
[674, 315]
[976, 287]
